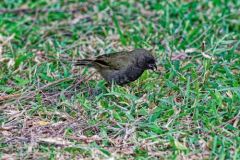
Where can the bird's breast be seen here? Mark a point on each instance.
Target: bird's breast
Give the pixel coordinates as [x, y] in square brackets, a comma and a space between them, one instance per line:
[122, 76]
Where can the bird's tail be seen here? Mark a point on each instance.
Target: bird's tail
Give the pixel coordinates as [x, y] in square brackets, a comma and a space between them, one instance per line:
[84, 62]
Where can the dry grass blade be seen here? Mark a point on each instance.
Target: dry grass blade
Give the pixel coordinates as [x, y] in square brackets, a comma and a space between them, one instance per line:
[31, 94]
[55, 141]
[34, 11]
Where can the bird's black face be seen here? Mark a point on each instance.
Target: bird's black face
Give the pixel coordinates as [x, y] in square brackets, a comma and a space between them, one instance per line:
[145, 59]
[150, 63]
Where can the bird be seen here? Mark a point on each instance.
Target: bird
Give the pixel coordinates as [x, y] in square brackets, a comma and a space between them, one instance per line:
[121, 67]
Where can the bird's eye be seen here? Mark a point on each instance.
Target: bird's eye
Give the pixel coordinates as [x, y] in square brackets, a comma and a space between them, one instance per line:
[151, 61]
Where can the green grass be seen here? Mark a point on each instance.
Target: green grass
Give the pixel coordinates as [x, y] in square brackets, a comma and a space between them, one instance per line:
[189, 110]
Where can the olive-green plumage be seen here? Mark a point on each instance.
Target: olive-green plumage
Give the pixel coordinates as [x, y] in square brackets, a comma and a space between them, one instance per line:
[121, 67]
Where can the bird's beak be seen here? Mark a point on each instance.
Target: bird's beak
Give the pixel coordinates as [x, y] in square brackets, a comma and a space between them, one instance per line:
[153, 67]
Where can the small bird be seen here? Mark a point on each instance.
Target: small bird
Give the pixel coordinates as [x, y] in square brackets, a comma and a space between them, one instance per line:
[121, 67]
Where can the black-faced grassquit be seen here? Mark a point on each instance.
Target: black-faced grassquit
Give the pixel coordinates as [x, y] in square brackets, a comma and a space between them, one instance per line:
[121, 67]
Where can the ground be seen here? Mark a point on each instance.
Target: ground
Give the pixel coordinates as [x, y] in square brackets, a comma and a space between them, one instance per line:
[188, 109]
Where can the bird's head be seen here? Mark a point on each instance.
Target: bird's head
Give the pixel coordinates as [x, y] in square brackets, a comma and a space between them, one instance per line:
[150, 63]
[145, 59]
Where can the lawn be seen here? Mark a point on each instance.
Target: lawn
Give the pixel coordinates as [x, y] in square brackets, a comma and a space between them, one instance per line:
[188, 109]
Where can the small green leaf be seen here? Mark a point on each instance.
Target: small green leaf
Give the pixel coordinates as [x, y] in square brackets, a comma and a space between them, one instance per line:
[179, 145]
[105, 151]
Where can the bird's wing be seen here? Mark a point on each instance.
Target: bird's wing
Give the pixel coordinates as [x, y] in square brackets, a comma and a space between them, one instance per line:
[116, 61]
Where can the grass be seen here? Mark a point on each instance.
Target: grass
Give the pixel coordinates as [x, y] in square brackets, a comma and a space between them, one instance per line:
[189, 110]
